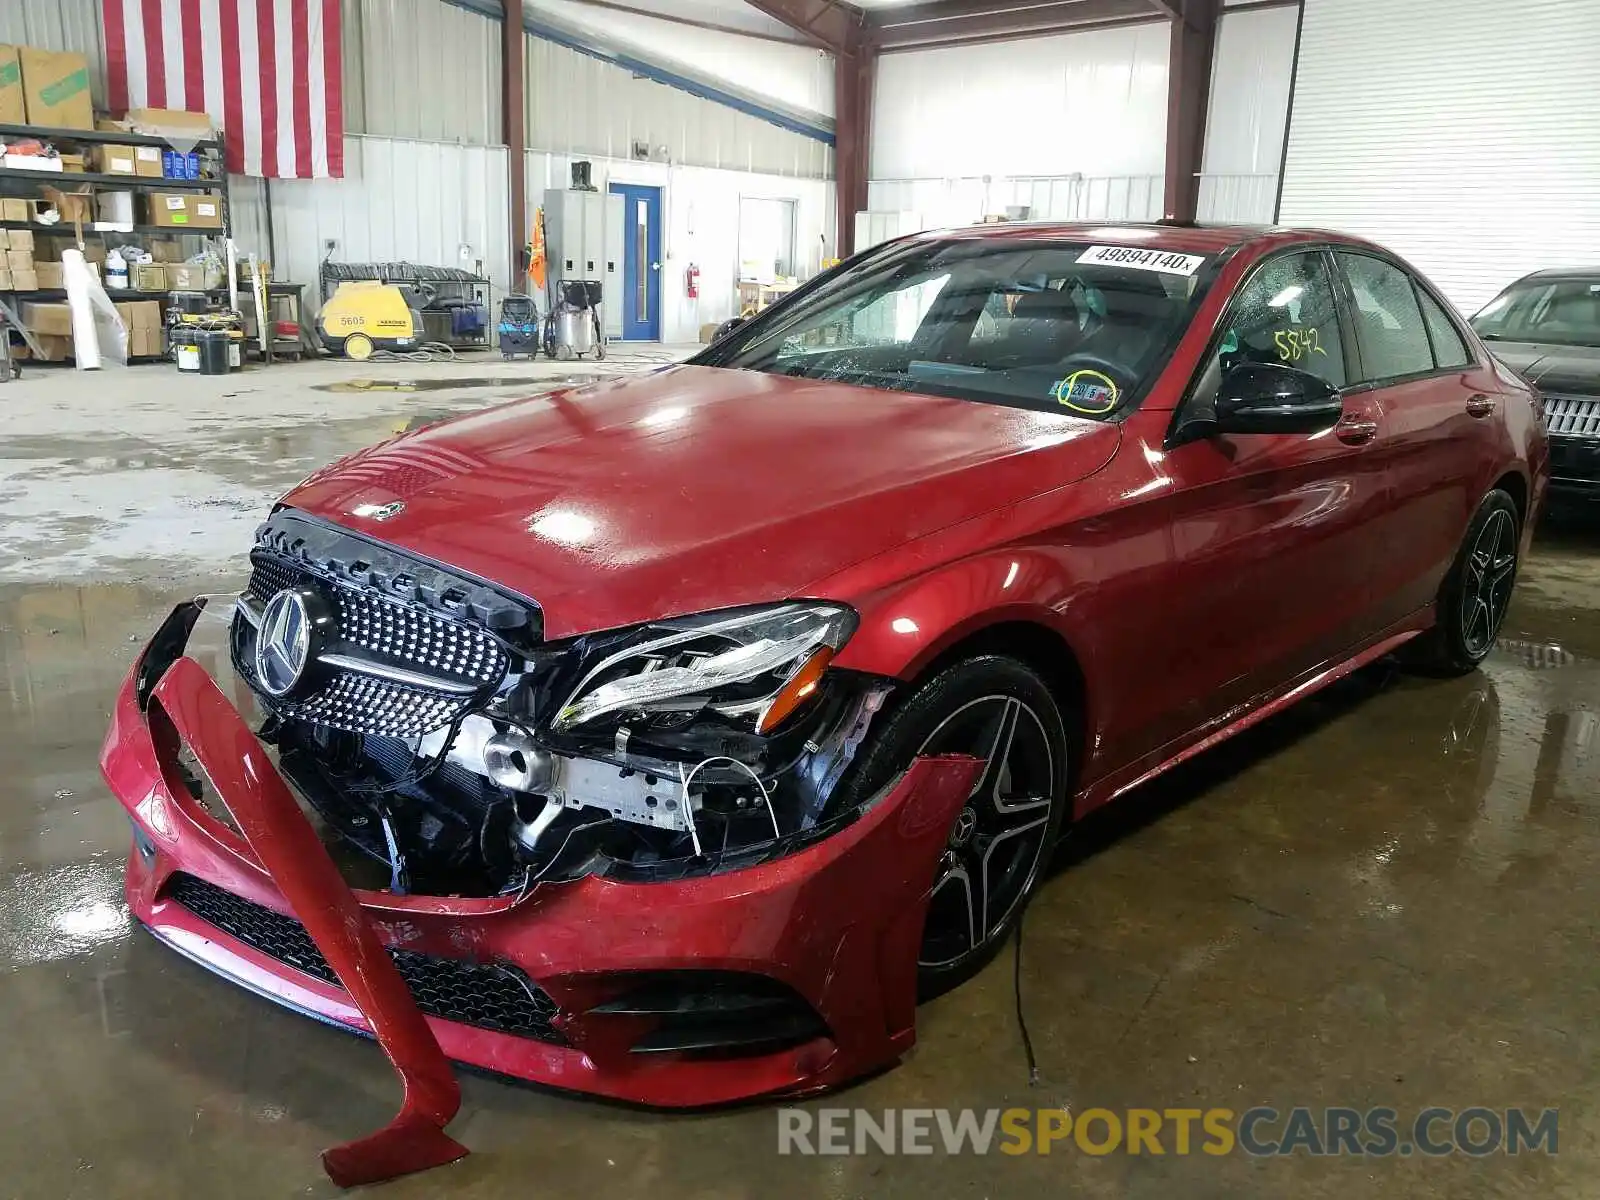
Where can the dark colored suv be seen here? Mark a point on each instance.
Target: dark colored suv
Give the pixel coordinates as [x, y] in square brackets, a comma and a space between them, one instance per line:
[1547, 327]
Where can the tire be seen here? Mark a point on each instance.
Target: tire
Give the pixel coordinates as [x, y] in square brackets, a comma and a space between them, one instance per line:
[1476, 591]
[358, 346]
[1015, 813]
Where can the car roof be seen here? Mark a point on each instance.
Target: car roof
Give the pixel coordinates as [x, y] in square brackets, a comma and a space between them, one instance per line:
[1559, 274]
[1184, 237]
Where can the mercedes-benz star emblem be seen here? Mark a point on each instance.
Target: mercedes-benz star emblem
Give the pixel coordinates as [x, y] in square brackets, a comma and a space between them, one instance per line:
[283, 644]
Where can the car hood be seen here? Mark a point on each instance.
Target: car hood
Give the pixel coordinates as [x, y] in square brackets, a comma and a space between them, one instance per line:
[1563, 370]
[694, 488]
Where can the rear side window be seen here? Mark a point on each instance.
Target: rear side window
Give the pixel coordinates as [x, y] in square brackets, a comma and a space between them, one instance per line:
[1389, 327]
[1448, 348]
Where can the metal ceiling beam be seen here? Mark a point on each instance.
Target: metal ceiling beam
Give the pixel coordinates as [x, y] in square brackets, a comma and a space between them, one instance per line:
[513, 110]
[829, 24]
[961, 22]
[1172, 9]
[1194, 40]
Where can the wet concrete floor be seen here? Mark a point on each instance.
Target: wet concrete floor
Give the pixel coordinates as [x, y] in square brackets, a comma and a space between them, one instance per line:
[1386, 897]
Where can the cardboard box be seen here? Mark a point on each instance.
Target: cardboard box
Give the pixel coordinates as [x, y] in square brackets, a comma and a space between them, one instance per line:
[184, 210]
[5, 281]
[179, 126]
[5, 239]
[147, 342]
[25, 281]
[115, 160]
[148, 277]
[146, 314]
[49, 319]
[164, 252]
[205, 210]
[73, 206]
[15, 210]
[56, 88]
[74, 163]
[33, 162]
[19, 239]
[56, 347]
[19, 260]
[13, 107]
[50, 274]
[191, 277]
[147, 161]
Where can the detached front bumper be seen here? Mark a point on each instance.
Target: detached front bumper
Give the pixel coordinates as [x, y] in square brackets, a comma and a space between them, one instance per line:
[822, 944]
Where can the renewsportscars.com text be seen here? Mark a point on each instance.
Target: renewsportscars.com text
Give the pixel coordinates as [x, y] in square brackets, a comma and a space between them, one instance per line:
[1261, 1132]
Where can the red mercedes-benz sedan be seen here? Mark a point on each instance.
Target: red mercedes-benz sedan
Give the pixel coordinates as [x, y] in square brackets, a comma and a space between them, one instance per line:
[611, 704]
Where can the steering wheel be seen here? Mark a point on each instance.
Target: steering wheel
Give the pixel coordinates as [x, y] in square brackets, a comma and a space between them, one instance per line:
[1090, 385]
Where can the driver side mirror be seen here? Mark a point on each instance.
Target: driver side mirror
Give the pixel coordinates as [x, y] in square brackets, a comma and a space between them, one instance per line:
[1275, 398]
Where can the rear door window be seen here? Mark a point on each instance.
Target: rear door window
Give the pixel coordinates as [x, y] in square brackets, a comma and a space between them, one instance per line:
[1390, 331]
[1448, 348]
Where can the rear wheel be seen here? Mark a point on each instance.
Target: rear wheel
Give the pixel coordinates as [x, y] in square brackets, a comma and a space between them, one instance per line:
[358, 346]
[999, 711]
[1476, 592]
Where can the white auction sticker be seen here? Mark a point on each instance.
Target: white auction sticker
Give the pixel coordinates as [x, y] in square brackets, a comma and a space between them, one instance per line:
[1142, 260]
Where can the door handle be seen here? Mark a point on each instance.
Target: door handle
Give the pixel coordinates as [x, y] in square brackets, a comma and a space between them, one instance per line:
[1479, 405]
[1355, 433]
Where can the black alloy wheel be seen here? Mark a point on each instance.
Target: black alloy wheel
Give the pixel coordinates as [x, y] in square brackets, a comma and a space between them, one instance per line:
[999, 838]
[1491, 568]
[1476, 592]
[999, 711]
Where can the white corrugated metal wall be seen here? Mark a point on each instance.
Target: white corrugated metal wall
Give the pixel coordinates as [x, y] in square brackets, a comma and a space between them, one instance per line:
[400, 200]
[1461, 134]
[579, 104]
[1252, 70]
[795, 75]
[1089, 104]
[422, 69]
[1071, 126]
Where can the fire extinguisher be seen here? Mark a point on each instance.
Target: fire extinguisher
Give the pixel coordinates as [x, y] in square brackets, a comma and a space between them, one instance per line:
[692, 282]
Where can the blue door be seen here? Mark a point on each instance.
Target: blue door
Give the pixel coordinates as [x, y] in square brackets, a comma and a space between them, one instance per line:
[641, 262]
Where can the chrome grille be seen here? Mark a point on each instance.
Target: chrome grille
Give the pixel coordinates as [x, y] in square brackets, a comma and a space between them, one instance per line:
[1572, 416]
[383, 632]
[396, 632]
[365, 704]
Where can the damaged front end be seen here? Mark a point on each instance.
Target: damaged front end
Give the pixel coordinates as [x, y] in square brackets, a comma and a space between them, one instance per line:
[434, 731]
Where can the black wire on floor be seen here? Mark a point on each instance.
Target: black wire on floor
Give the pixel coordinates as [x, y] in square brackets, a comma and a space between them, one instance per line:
[1022, 1019]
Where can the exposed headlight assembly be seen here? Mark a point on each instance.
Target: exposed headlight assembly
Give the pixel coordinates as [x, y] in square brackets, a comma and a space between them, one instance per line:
[756, 665]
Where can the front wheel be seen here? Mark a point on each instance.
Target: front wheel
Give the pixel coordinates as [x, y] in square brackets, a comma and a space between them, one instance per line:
[997, 710]
[1476, 591]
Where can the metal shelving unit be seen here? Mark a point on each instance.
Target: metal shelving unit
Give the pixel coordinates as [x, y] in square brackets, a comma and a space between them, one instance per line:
[79, 139]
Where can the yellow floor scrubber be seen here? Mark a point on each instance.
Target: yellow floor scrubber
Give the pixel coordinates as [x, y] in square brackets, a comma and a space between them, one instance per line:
[363, 315]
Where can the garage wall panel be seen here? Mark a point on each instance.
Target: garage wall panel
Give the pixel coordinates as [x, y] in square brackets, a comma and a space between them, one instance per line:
[1247, 114]
[1462, 133]
[1093, 104]
[401, 200]
[421, 69]
[58, 25]
[579, 104]
[794, 75]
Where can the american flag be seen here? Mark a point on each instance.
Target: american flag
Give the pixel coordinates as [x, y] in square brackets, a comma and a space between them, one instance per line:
[267, 71]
